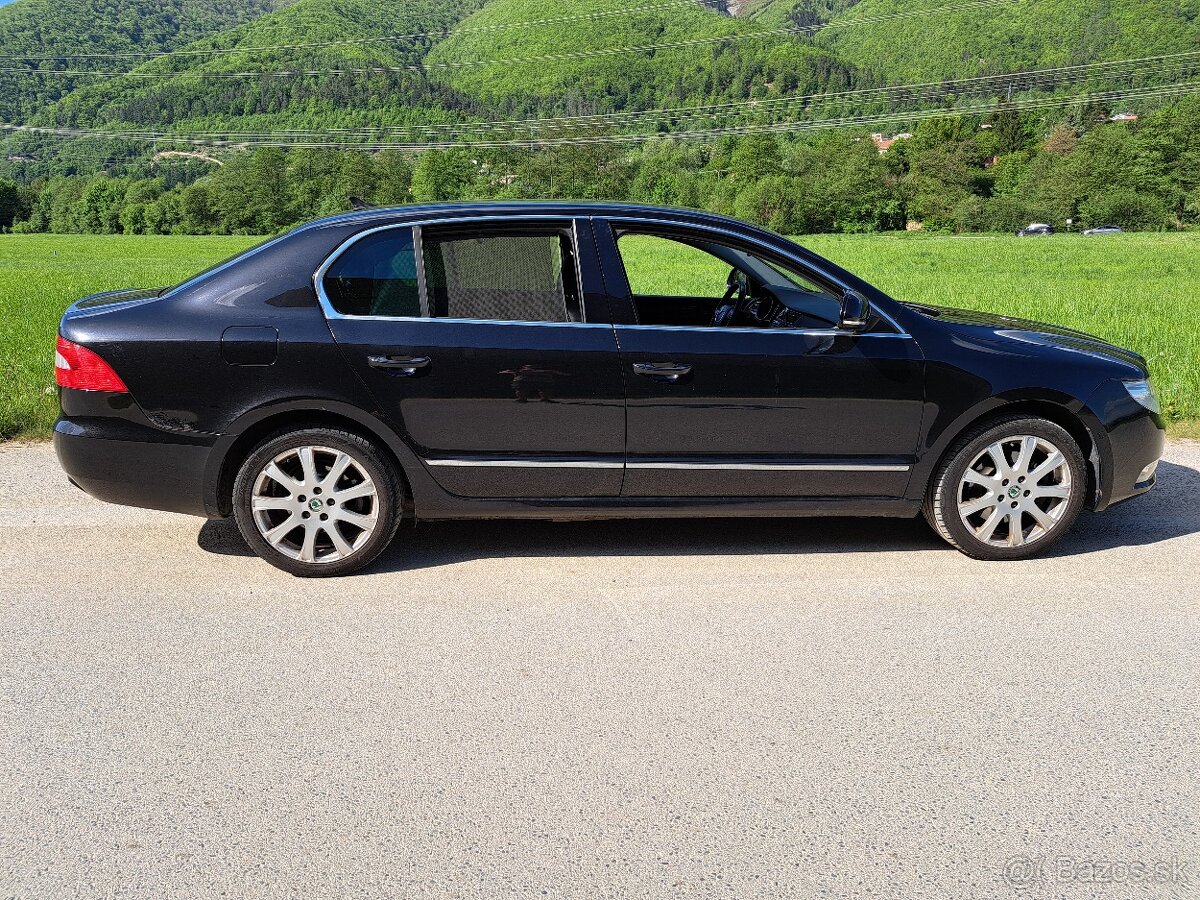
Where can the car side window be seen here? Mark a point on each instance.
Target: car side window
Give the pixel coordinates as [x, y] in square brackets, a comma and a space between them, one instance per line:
[509, 274]
[525, 275]
[697, 282]
[661, 267]
[376, 276]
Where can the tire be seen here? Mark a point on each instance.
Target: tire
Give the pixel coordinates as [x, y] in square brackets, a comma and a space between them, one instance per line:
[976, 513]
[337, 526]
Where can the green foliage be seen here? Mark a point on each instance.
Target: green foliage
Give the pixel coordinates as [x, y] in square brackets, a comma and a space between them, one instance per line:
[1008, 37]
[443, 175]
[1135, 209]
[112, 27]
[946, 177]
[10, 202]
[535, 72]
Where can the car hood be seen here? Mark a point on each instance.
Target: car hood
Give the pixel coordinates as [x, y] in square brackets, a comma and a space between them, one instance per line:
[1009, 329]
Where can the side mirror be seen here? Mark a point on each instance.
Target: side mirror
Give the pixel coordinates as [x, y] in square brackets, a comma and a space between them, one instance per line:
[856, 310]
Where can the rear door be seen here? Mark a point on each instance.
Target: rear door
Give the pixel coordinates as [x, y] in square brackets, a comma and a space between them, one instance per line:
[488, 345]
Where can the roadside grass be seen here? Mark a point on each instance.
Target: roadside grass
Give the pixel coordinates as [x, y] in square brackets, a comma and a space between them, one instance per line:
[1137, 290]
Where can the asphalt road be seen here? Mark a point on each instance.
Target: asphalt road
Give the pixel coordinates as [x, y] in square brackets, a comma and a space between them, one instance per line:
[678, 709]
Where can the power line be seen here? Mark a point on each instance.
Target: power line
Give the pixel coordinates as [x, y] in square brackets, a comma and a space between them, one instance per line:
[598, 52]
[906, 93]
[1023, 81]
[1173, 90]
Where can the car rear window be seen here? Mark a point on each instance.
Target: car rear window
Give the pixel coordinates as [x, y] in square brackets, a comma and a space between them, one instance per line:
[376, 276]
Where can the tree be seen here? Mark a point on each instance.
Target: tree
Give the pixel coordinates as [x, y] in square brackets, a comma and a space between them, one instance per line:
[197, 212]
[10, 203]
[394, 176]
[1127, 208]
[98, 209]
[250, 192]
[442, 175]
[756, 156]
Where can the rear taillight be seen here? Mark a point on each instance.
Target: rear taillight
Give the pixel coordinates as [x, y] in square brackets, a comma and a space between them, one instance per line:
[79, 368]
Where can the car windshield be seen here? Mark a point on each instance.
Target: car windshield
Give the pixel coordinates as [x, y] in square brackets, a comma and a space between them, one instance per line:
[216, 267]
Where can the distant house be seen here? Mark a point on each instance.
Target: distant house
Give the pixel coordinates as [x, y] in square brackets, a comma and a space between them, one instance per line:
[884, 144]
[1123, 117]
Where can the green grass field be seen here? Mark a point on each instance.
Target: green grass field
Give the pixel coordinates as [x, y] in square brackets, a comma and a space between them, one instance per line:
[1137, 290]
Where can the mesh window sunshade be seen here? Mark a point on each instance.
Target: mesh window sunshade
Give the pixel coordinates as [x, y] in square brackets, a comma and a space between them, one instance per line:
[514, 278]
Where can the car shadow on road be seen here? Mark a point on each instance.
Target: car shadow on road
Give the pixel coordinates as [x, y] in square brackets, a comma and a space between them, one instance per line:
[1171, 510]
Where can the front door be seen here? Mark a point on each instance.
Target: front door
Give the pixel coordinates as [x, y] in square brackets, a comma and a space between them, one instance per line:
[733, 394]
[488, 347]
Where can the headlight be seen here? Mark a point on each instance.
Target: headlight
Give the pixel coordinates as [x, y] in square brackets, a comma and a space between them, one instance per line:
[1143, 394]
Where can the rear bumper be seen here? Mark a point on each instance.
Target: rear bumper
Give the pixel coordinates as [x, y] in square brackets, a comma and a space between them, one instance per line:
[120, 462]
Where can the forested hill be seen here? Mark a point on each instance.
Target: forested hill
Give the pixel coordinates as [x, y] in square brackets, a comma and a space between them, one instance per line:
[34, 32]
[457, 60]
[327, 63]
[562, 66]
[511, 57]
[1025, 34]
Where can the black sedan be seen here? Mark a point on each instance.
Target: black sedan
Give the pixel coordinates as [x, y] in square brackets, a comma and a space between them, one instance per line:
[575, 361]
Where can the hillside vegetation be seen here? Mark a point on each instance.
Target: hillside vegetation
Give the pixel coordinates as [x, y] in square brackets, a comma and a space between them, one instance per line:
[1008, 37]
[188, 99]
[533, 65]
[107, 28]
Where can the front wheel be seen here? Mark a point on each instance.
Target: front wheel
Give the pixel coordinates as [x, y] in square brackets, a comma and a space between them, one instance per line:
[317, 501]
[1008, 488]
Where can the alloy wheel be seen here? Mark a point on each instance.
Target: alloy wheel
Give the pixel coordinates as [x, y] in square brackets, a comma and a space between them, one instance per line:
[1015, 491]
[315, 504]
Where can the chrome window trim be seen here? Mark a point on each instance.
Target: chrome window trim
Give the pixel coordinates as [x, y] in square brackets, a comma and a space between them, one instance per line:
[474, 321]
[416, 225]
[812, 332]
[517, 463]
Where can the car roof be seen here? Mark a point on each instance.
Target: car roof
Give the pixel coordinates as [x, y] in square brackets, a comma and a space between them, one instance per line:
[565, 208]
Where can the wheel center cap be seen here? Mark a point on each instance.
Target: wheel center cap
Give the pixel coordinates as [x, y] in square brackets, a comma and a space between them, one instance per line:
[1012, 491]
[314, 504]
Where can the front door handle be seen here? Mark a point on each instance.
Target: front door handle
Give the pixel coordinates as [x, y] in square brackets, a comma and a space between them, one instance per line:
[404, 366]
[662, 371]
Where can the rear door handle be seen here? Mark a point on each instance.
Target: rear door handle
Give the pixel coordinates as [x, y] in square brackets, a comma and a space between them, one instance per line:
[399, 365]
[662, 371]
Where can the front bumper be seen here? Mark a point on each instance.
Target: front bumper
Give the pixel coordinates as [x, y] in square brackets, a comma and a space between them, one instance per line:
[120, 462]
[1135, 438]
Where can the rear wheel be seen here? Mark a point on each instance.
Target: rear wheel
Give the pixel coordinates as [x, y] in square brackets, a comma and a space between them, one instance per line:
[1008, 488]
[317, 501]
